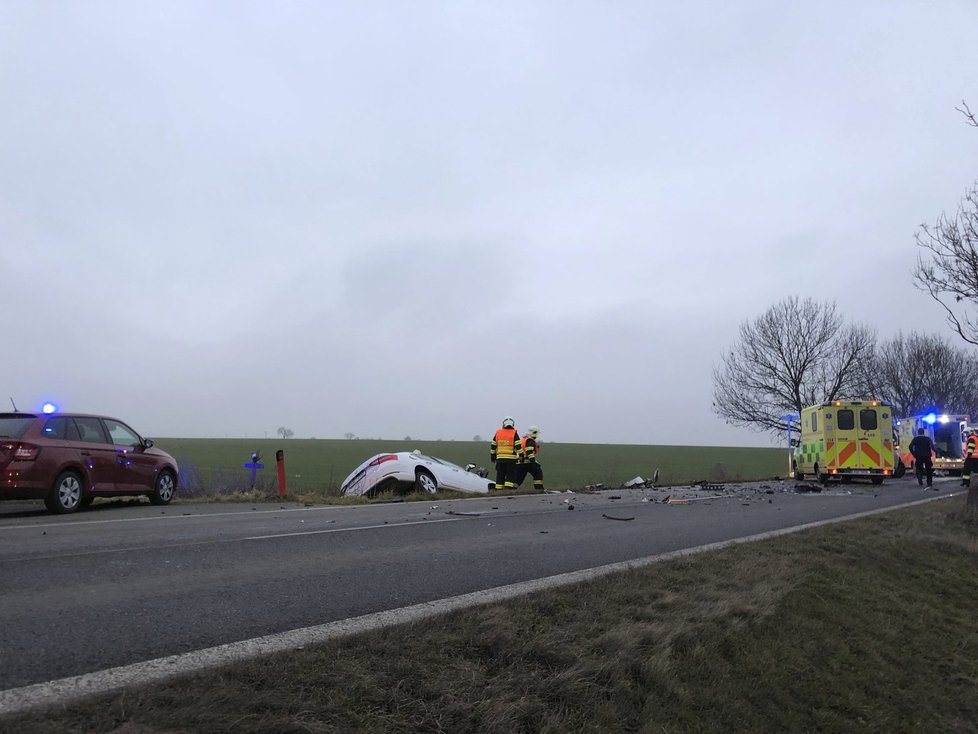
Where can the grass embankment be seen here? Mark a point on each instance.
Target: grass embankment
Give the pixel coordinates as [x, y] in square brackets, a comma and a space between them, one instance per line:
[864, 626]
[318, 466]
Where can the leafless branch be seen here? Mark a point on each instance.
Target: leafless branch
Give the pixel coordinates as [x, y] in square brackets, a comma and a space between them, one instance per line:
[948, 267]
[969, 115]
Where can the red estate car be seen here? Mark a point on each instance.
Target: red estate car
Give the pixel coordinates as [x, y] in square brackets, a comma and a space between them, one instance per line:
[69, 460]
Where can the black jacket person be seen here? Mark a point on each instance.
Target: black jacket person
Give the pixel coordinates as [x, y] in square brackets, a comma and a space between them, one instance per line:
[922, 449]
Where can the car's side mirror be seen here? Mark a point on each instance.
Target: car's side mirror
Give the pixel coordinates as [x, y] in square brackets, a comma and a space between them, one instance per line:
[469, 467]
[147, 443]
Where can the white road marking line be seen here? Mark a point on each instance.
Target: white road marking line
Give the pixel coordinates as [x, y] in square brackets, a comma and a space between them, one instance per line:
[214, 541]
[67, 690]
[358, 527]
[172, 517]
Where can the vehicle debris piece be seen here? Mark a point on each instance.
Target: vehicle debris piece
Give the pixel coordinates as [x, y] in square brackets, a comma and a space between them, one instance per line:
[614, 497]
[636, 482]
[570, 507]
[464, 514]
[677, 501]
[612, 517]
[592, 487]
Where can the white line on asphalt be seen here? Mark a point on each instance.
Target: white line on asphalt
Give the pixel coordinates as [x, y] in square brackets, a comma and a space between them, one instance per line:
[66, 690]
[181, 516]
[358, 527]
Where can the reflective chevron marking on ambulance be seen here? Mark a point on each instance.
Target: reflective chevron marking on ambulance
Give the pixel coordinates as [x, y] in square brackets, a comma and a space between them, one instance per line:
[858, 455]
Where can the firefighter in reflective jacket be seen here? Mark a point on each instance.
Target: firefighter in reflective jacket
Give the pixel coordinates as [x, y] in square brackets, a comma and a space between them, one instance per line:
[503, 453]
[529, 459]
[970, 458]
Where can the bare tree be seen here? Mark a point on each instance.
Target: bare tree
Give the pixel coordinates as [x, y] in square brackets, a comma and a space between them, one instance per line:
[948, 269]
[349, 436]
[797, 353]
[920, 372]
[285, 432]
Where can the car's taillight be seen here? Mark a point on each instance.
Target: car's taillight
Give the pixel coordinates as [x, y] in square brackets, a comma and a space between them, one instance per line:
[382, 459]
[25, 452]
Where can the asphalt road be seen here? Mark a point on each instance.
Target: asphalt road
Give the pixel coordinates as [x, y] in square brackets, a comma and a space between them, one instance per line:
[128, 582]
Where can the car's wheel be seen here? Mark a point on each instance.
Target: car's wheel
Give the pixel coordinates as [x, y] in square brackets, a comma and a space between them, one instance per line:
[66, 494]
[900, 470]
[799, 476]
[425, 482]
[165, 488]
[822, 479]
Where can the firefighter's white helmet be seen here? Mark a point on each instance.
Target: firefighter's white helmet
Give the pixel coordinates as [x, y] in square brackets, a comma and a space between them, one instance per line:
[534, 431]
[508, 422]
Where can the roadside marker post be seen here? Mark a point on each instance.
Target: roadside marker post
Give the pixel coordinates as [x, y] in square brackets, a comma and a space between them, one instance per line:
[280, 460]
[255, 464]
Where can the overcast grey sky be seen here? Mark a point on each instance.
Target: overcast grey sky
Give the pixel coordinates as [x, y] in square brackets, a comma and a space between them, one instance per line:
[391, 219]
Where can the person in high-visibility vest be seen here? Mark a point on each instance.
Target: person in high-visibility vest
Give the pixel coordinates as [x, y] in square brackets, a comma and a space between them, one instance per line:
[503, 453]
[529, 459]
[970, 458]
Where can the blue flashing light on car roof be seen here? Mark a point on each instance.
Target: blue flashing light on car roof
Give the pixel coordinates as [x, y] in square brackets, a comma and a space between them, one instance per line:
[49, 408]
[930, 418]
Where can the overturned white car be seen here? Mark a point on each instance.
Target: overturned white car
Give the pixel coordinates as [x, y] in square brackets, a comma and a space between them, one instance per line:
[411, 470]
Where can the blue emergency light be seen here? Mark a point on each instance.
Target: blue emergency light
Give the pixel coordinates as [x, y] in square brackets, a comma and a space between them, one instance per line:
[930, 418]
[49, 408]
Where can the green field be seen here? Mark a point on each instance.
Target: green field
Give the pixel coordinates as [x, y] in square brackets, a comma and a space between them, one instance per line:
[319, 466]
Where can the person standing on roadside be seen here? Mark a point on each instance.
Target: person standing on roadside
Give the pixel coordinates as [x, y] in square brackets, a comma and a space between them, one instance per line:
[970, 458]
[922, 449]
[529, 459]
[503, 453]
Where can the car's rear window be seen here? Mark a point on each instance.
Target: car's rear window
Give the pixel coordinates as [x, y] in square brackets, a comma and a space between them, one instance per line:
[61, 427]
[14, 425]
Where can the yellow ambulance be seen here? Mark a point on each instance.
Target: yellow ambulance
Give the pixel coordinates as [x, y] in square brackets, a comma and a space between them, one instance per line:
[843, 439]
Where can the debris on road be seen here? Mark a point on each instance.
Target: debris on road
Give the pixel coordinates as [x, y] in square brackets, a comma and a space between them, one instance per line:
[611, 517]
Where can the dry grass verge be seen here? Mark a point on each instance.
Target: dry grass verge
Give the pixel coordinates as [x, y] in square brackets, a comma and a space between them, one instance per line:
[866, 626]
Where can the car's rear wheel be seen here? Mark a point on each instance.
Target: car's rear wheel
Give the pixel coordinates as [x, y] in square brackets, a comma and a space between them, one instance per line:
[799, 476]
[425, 482]
[165, 487]
[66, 494]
